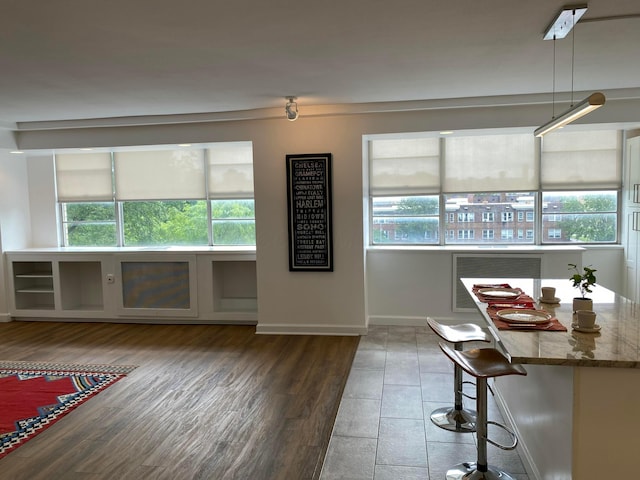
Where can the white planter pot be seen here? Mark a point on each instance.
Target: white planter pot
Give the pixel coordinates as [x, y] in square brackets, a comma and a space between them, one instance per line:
[580, 303]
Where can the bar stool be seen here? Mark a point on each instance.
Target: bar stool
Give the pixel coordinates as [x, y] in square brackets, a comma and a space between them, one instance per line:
[457, 418]
[482, 363]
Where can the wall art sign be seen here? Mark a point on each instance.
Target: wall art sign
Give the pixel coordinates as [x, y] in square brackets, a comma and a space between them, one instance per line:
[310, 207]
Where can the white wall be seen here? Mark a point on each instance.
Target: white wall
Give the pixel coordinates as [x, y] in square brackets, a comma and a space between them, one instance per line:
[14, 213]
[402, 286]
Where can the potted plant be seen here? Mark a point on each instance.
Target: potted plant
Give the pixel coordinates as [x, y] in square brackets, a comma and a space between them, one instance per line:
[583, 281]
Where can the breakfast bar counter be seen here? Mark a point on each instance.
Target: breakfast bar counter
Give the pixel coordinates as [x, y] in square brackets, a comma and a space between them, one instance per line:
[576, 412]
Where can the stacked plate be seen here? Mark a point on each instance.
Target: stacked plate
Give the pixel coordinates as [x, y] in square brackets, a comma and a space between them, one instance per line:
[522, 316]
[499, 292]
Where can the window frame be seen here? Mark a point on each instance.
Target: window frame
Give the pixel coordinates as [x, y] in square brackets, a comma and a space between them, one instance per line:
[531, 221]
[207, 197]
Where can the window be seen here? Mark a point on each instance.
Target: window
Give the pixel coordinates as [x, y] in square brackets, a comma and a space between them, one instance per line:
[188, 196]
[411, 219]
[554, 233]
[506, 234]
[580, 217]
[89, 223]
[487, 234]
[468, 175]
[478, 203]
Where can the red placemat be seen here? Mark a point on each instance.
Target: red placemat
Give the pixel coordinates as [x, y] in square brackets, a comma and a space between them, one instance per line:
[554, 324]
[522, 298]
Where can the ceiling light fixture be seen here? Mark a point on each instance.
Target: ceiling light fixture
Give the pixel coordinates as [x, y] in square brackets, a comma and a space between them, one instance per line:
[291, 108]
[589, 104]
[565, 22]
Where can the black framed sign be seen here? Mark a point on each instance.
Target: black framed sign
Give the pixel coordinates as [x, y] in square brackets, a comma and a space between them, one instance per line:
[310, 207]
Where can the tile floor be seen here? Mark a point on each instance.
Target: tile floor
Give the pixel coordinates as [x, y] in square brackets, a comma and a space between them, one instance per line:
[383, 431]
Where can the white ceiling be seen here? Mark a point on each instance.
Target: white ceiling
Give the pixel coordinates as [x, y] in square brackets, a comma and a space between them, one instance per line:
[82, 59]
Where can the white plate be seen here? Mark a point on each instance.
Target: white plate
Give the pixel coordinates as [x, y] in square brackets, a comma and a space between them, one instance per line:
[499, 292]
[550, 301]
[518, 315]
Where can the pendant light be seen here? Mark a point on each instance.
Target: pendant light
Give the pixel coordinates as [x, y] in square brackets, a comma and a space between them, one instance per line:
[564, 23]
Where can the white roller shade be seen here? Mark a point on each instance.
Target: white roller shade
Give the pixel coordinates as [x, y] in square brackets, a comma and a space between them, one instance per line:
[574, 160]
[160, 175]
[231, 170]
[404, 166]
[490, 163]
[84, 177]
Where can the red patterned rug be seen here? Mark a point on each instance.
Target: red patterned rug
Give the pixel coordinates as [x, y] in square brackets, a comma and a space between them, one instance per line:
[34, 396]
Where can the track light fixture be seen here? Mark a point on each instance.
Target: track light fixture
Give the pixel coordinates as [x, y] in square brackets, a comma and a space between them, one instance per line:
[565, 22]
[291, 108]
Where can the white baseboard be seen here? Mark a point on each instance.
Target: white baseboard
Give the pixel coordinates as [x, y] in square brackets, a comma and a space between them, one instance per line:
[397, 321]
[286, 329]
[5, 318]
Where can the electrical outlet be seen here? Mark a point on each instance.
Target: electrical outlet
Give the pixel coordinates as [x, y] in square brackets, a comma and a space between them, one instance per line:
[110, 278]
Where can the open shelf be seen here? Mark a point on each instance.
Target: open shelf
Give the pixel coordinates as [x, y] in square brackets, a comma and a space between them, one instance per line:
[81, 285]
[33, 285]
[234, 286]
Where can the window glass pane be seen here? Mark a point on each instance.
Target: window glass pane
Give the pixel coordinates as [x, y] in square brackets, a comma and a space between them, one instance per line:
[165, 223]
[405, 220]
[89, 224]
[233, 222]
[489, 217]
[580, 217]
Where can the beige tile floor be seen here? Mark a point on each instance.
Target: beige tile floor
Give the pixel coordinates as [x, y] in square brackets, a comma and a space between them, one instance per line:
[383, 431]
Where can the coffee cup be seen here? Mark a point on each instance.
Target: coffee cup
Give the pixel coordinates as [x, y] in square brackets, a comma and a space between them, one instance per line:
[586, 318]
[548, 293]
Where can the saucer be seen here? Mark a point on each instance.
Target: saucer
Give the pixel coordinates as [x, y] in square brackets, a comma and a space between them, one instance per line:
[596, 328]
[555, 300]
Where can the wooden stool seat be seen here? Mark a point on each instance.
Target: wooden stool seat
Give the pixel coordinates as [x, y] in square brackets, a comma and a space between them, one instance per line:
[465, 332]
[456, 418]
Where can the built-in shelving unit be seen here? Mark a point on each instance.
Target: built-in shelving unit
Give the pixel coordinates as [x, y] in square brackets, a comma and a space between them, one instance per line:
[33, 285]
[151, 286]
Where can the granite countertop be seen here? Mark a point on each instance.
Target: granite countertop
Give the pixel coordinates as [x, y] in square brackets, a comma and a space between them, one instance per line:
[616, 345]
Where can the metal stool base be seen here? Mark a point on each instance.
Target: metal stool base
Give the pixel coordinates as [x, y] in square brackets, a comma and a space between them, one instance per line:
[469, 471]
[461, 421]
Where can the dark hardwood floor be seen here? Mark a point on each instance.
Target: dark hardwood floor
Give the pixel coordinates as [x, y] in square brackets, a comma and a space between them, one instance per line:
[206, 402]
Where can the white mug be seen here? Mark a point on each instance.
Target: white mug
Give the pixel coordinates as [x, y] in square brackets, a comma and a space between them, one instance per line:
[548, 293]
[586, 318]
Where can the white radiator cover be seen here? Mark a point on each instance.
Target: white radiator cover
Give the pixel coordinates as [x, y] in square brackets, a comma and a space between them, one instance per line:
[489, 266]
